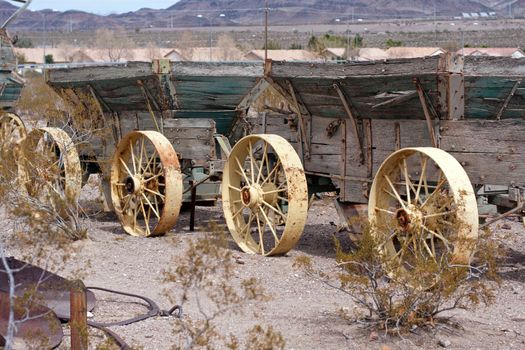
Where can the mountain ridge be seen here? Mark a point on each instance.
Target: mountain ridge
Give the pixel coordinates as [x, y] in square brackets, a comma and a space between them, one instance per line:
[188, 13]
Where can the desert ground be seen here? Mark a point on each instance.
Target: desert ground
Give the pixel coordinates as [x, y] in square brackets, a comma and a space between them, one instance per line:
[303, 309]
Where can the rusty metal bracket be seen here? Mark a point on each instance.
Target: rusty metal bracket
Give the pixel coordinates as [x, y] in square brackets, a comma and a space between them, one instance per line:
[507, 100]
[426, 111]
[332, 128]
[150, 101]
[346, 104]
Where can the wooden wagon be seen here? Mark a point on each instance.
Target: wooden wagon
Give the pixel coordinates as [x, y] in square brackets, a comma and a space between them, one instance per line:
[416, 139]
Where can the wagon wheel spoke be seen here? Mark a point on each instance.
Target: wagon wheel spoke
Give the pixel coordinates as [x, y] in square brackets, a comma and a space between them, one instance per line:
[157, 193]
[245, 231]
[50, 168]
[141, 155]
[427, 223]
[263, 160]
[259, 182]
[422, 179]
[394, 192]
[261, 234]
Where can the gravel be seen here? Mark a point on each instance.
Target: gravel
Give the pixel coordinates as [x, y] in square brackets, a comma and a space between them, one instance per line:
[303, 309]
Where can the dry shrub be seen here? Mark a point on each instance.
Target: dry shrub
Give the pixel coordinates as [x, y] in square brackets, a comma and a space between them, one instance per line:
[40, 211]
[393, 299]
[205, 274]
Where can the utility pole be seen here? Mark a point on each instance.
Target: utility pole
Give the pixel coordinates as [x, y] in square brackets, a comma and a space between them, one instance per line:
[265, 30]
[435, 25]
[462, 43]
[45, 40]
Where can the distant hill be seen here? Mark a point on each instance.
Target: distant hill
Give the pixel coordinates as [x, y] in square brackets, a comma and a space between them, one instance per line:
[325, 11]
[251, 12]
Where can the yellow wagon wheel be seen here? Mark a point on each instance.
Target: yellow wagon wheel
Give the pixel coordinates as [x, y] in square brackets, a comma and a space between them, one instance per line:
[146, 183]
[12, 132]
[422, 209]
[265, 196]
[50, 168]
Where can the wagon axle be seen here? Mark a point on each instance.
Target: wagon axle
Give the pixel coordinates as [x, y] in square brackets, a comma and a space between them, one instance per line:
[256, 195]
[409, 217]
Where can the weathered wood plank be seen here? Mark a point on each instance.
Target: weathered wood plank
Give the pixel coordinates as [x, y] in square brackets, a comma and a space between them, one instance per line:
[492, 168]
[323, 163]
[355, 191]
[485, 130]
[357, 86]
[223, 69]
[473, 144]
[493, 66]
[196, 123]
[134, 70]
[198, 150]
[216, 81]
[489, 137]
[336, 71]
[413, 133]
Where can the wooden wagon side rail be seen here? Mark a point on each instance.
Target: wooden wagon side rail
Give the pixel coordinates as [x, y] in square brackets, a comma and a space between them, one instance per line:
[443, 101]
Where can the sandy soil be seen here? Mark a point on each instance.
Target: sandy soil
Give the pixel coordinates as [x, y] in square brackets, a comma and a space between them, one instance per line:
[303, 309]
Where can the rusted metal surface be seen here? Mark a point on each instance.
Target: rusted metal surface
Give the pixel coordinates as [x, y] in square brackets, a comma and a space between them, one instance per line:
[402, 205]
[50, 154]
[51, 289]
[265, 202]
[37, 327]
[12, 133]
[146, 183]
[36, 287]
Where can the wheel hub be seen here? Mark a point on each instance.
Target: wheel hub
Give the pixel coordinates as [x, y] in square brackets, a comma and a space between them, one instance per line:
[132, 185]
[409, 217]
[252, 196]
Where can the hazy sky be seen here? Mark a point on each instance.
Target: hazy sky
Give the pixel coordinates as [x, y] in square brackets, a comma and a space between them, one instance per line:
[99, 6]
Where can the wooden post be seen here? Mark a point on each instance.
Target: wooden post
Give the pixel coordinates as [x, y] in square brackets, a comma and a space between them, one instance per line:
[192, 205]
[451, 87]
[78, 316]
